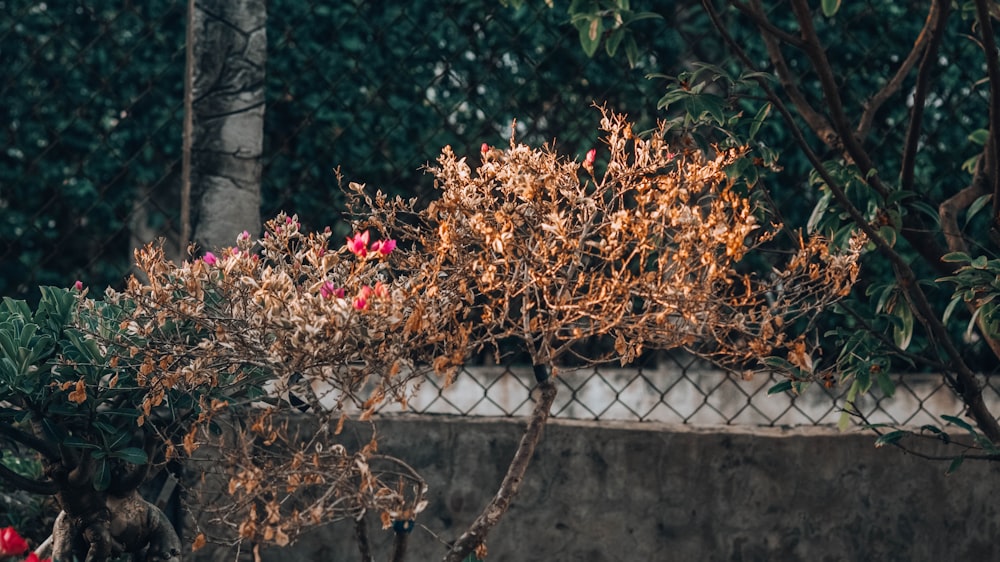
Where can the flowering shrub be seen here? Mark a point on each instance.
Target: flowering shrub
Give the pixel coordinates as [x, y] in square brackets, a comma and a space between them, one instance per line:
[530, 249]
[301, 323]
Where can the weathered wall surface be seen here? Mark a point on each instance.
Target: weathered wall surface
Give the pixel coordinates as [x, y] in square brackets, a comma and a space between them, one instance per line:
[629, 491]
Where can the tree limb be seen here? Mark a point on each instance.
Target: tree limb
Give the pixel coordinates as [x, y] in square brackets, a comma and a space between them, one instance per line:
[928, 34]
[491, 514]
[847, 141]
[756, 13]
[44, 487]
[47, 450]
[819, 124]
[913, 130]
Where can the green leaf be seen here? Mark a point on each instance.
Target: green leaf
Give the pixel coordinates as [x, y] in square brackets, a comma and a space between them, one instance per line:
[888, 233]
[778, 363]
[889, 438]
[845, 417]
[132, 455]
[631, 51]
[590, 29]
[863, 378]
[979, 136]
[613, 41]
[902, 333]
[758, 119]
[782, 386]
[697, 106]
[955, 463]
[103, 477]
[830, 7]
[818, 211]
[978, 263]
[977, 206]
[885, 384]
[959, 422]
[78, 443]
[950, 309]
[956, 257]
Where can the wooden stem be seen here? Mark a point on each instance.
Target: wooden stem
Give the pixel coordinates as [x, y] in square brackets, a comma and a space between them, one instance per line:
[476, 534]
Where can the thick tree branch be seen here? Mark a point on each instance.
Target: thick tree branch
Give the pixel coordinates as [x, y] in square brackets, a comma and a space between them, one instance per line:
[511, 483]
[949, 211]
[819, 124]
[756, 14]
[926, 36]
[44, 487]
[47, 450]
[828, 84]
[915, 126]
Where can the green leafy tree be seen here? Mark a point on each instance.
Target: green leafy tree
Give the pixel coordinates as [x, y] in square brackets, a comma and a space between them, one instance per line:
[887, 119]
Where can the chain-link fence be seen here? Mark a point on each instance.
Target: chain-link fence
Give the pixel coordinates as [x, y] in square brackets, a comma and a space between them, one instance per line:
[683, 390]
[92, 114]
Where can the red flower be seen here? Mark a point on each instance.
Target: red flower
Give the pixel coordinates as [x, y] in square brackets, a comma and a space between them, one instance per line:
[358, 245]
[591, 156]
[11, 543]
[78, 285]
[34, 558]
[384, 247]
[485, 148]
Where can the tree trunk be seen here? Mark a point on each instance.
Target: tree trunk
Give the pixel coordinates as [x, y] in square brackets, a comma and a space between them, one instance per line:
[229, 52]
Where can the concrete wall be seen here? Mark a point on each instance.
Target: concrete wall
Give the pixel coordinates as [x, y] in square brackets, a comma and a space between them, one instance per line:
[641, 492]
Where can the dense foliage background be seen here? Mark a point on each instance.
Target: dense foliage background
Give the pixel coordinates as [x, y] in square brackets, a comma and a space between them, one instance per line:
[92, 112]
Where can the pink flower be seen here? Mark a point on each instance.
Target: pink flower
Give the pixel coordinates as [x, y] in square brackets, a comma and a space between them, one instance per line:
[244, 236]
[34, 558]
[358, 245]
[328, 290]
[361, 301]
[383, 247]
[11, 543]
[288, 220]
[591, 156]
[485, 148]
[78, 285]
[210, 258]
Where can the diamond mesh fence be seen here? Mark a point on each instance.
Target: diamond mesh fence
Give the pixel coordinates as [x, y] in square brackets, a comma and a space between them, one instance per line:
[90, 157]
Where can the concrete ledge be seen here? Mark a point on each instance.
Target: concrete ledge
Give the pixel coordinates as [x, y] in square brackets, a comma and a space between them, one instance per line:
[641, 491]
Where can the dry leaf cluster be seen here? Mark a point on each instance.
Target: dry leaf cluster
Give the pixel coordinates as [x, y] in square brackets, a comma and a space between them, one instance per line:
[529, 247]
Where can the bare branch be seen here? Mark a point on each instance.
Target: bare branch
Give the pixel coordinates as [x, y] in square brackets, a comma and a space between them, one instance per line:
[920, 91]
